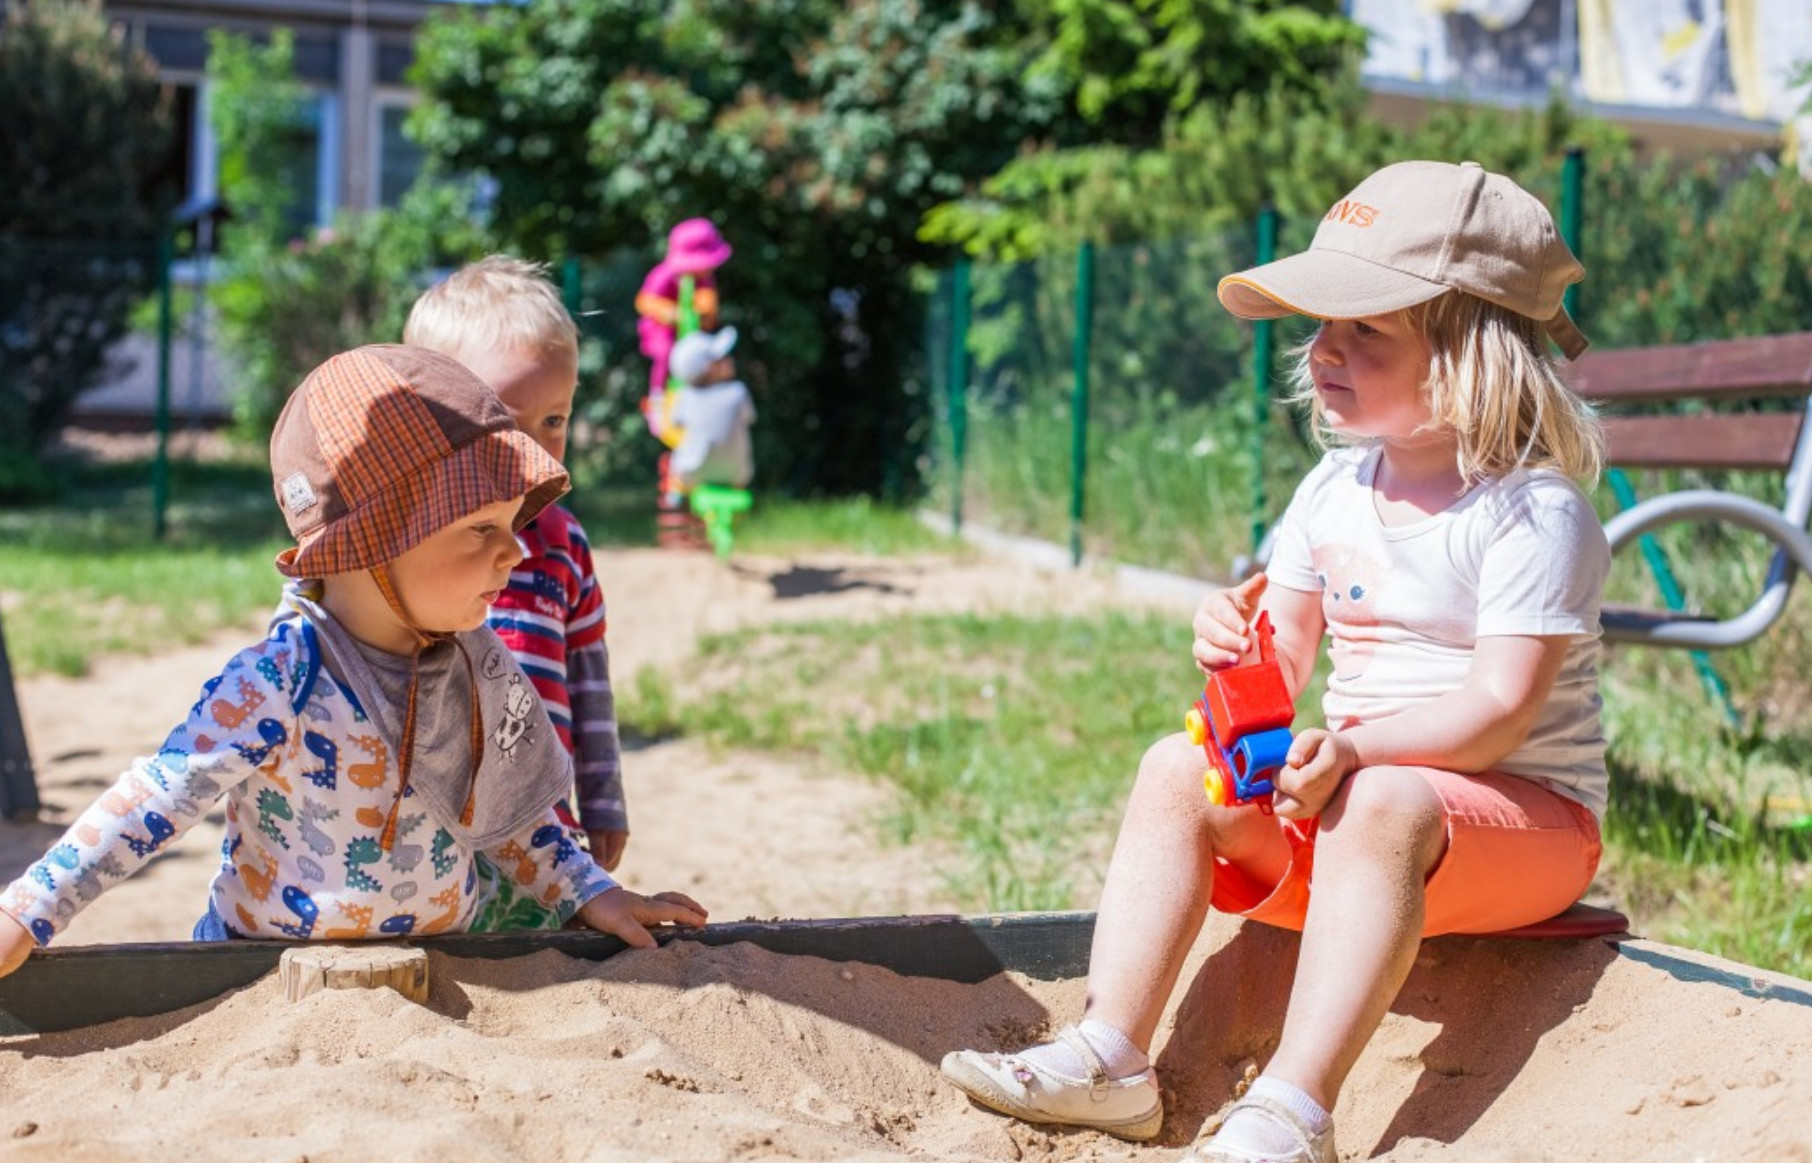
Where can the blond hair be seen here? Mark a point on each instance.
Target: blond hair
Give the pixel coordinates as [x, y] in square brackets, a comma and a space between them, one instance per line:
[1491, 382]
[496, 303]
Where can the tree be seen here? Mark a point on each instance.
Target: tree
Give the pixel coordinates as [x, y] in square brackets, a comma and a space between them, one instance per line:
[1197, 112]
[816, 133]
[1133, 64]
[290, 296]
[85, 189]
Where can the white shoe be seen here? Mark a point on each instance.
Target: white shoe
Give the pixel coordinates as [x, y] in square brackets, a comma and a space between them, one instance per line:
[1127, 1108]
[1309, 1147]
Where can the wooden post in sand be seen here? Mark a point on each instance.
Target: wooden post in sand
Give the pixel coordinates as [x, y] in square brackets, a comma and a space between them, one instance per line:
[308, 969]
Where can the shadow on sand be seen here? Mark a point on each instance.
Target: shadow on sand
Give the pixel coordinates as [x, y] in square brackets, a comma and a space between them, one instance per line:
[1492, 1000]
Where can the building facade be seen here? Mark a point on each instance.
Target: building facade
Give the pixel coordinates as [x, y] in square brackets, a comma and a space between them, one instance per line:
[1686, 76]
[352, 55]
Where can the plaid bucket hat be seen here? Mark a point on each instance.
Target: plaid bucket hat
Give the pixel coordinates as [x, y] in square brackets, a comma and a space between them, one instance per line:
[1412, 232]
[382, 446]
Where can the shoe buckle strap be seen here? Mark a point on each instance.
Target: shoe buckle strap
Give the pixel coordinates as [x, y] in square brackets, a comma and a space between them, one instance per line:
[1097, 1069]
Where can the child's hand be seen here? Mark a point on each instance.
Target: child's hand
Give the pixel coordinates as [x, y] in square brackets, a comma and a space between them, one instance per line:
[1223, 624]
[16, 943]
[626, 914]
[1319, 760]
[607, 848]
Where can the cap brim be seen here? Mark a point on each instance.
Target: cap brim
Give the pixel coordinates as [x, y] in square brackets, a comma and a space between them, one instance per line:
[1324, 284]
[495, 467]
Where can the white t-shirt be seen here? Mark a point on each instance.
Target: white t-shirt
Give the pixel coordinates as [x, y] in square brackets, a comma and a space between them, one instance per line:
[1523, 555]
[716, 449]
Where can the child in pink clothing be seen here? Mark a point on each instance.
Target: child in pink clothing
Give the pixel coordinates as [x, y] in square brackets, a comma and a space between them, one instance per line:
[695, 249]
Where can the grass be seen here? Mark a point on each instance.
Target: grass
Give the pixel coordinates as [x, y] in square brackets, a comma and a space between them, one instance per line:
[1012, 740]
[85, 576]
[774, 525]
[777, 525]
[1168, 485]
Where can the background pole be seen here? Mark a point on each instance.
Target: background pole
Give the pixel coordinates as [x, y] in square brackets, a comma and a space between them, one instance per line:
[160, 462]
[1264, 337]
[1085, 325]
[959, 387]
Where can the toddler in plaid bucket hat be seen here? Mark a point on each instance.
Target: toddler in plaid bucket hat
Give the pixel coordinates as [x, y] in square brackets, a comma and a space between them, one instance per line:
[1456, 570]
[383, 445]
[386, 766]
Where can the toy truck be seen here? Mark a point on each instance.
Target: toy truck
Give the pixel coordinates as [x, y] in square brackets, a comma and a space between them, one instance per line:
[1242, 721]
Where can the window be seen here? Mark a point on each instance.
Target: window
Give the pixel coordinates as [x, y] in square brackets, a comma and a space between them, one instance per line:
[400, 160]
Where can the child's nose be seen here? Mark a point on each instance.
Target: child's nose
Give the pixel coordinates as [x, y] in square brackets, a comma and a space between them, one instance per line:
[513, 549]
[1323, 349]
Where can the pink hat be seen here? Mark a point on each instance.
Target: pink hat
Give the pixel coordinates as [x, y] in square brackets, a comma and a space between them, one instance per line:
[695, 246]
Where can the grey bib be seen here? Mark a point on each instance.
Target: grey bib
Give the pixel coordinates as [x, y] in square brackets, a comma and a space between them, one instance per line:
[523, 769]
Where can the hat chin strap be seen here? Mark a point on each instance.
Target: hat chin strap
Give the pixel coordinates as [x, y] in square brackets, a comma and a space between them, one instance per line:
[424, 639]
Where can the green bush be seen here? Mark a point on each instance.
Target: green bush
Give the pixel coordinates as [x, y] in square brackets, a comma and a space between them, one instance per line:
[284, 309]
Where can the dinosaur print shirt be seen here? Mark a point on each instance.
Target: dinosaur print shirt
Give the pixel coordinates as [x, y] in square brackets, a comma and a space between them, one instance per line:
[309, 779]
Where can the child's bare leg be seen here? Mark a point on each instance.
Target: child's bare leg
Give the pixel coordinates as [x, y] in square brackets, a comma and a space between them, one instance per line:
[1158, 885]
[1098, 1074]
[1380, 836]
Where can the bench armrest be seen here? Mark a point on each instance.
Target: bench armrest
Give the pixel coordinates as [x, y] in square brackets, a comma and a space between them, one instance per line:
[1794, 554]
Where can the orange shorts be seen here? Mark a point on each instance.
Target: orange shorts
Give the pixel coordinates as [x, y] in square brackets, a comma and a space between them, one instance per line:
[1517, 853]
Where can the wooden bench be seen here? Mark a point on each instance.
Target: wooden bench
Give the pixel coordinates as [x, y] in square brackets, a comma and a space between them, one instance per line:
[1712, 374]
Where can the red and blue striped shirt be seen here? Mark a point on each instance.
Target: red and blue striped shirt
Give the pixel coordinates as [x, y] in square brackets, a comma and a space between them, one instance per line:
[552, 618]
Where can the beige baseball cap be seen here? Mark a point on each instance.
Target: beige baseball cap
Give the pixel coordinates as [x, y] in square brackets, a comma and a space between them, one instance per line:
[1412, 232]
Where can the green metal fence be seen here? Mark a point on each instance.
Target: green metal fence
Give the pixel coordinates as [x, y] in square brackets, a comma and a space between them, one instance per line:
[1102, 390]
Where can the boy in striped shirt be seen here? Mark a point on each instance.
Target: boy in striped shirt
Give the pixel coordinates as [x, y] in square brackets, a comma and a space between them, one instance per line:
[504, 320]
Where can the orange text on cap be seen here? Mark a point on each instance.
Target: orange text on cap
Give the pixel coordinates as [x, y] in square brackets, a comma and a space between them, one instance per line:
[1353, 213]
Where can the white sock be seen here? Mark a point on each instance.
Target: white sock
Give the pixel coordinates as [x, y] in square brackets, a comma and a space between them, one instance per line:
[1258, 1134]
[1118, 1054]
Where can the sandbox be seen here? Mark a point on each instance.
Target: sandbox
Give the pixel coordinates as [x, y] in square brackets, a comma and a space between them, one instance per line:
[789, 1041]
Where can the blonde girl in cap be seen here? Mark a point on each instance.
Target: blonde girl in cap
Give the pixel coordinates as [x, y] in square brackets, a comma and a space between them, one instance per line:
[386, 767]
[1456, 569]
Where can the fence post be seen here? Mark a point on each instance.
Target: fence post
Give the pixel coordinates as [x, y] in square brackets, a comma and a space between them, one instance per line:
[1572, 212]
[1263, 339]
[571, 286]
[18, 788]
[959, 387]
[1085, 326]
[160, 463]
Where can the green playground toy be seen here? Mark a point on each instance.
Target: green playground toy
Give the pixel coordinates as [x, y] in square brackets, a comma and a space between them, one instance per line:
[717, 506]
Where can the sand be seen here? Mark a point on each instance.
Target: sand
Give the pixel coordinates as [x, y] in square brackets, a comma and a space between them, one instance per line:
[1497, 1050]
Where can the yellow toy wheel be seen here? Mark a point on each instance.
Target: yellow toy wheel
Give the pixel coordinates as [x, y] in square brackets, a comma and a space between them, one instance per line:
[1219, 794]
[1193, 725]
